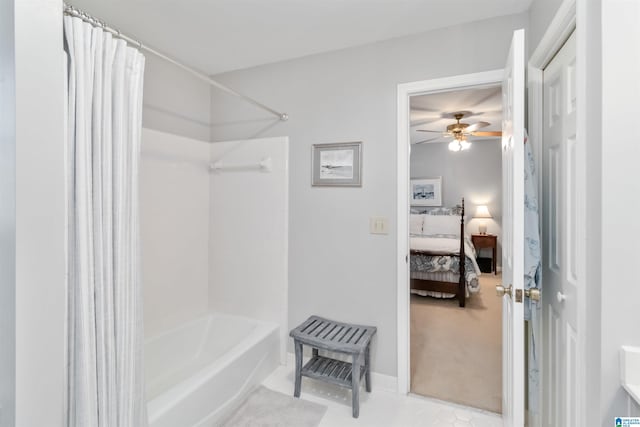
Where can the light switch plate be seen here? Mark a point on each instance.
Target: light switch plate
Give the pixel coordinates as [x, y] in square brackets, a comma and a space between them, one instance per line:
[378, 225]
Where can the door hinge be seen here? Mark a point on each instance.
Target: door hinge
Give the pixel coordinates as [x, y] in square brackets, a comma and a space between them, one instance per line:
[406, 259]
[519, 295]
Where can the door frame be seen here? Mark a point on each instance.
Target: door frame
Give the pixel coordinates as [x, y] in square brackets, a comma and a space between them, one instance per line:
[405, 91]
[559, 30]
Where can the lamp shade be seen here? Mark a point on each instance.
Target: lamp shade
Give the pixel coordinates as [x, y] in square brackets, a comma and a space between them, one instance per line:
[482, 212]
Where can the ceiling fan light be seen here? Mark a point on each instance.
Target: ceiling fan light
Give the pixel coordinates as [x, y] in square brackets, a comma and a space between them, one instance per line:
[454, 145]
[465, 145]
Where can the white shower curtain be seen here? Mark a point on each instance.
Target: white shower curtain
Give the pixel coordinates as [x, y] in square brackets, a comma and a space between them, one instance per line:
[105, 382]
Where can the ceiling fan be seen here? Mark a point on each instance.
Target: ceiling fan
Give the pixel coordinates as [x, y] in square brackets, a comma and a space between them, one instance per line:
[459, 131]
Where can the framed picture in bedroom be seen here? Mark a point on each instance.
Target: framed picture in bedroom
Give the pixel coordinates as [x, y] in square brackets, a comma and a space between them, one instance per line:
[337, 165]
[426, 192]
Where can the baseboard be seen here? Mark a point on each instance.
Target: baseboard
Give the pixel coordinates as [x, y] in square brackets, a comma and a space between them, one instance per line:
[379, 381]
[384, 382]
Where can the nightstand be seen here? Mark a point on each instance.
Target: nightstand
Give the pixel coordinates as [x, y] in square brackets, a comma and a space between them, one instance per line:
[481, 241]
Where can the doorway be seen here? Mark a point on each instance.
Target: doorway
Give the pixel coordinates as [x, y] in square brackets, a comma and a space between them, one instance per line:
[512, 149]
[456, 340]
[405, 92]
[514, 293]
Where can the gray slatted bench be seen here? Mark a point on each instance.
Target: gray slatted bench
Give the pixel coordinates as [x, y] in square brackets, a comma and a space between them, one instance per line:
[329, 335]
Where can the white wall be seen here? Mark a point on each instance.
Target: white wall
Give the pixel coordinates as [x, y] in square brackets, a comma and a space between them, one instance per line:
[40, 214]
[589, 59]
[175, 101]
[475, 174]
[174, 226]
[248, 238]
[350, 95]
[620, 225]
[7, 215]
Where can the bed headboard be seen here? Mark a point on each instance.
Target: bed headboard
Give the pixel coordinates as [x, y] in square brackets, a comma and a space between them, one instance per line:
[457, 210]
[425, 223]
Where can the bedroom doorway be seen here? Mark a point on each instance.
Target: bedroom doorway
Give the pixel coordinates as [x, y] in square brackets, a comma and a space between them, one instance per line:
[455, 326]
[523, 400]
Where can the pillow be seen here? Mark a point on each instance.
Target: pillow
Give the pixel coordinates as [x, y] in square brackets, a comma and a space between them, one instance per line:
[441, 224]
[415, 223]
[440, 211]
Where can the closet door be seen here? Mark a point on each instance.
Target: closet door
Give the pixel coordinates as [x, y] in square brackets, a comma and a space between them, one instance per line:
[560, 241]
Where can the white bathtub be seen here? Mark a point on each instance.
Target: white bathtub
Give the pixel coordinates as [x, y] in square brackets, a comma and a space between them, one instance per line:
[198, 373]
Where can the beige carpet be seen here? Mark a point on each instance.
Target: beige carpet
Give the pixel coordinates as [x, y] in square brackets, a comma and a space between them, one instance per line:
[456, 353]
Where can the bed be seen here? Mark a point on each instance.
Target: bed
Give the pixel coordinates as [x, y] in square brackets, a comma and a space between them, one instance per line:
[443, 259]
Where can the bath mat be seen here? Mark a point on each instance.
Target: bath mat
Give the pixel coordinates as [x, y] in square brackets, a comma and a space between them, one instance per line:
[268, 408]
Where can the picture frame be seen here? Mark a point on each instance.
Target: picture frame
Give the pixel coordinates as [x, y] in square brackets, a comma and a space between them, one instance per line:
[336, 164]
[426, 192]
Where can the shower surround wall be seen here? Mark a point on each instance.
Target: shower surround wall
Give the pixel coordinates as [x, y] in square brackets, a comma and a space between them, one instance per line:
[248, 245]
[174, 223]
[212, 240]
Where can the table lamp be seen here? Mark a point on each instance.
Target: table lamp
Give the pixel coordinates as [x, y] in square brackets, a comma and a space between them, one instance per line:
[482, 212]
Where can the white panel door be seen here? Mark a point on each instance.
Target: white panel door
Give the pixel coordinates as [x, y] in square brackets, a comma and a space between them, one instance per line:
[513, 234]
[560, 240]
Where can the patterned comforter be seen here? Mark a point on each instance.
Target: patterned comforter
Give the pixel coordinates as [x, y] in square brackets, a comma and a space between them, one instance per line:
[448, 263]
[444, 263]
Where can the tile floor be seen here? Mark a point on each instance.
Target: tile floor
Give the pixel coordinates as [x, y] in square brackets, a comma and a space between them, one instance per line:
[380, 407]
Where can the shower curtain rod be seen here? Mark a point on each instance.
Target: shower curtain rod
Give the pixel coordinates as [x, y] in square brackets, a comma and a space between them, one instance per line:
[72, 11]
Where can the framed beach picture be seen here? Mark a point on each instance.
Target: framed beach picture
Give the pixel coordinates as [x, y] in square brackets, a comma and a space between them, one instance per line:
[426, 192]
[337, 164]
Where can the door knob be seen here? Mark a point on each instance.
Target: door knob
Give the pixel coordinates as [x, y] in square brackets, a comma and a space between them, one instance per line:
[502, 291]
[533, 294]
[560, 296]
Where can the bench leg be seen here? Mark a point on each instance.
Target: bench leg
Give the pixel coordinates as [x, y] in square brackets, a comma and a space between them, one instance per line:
[355, 386]
[298, 349]
[367, 370]
[314, 352]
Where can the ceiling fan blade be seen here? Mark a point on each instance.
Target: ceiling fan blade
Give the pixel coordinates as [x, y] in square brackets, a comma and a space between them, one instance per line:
[426, 130]
[487, 133]
[476, 126]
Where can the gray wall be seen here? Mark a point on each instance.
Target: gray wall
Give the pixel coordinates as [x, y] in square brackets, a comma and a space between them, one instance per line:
[175, 101]
[475, 174]
[7, 215]
[336, 268]
[40, 214]
[541, 12]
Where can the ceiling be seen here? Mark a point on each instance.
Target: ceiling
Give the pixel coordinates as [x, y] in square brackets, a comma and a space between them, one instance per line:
[222, 35]
[433, 112]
